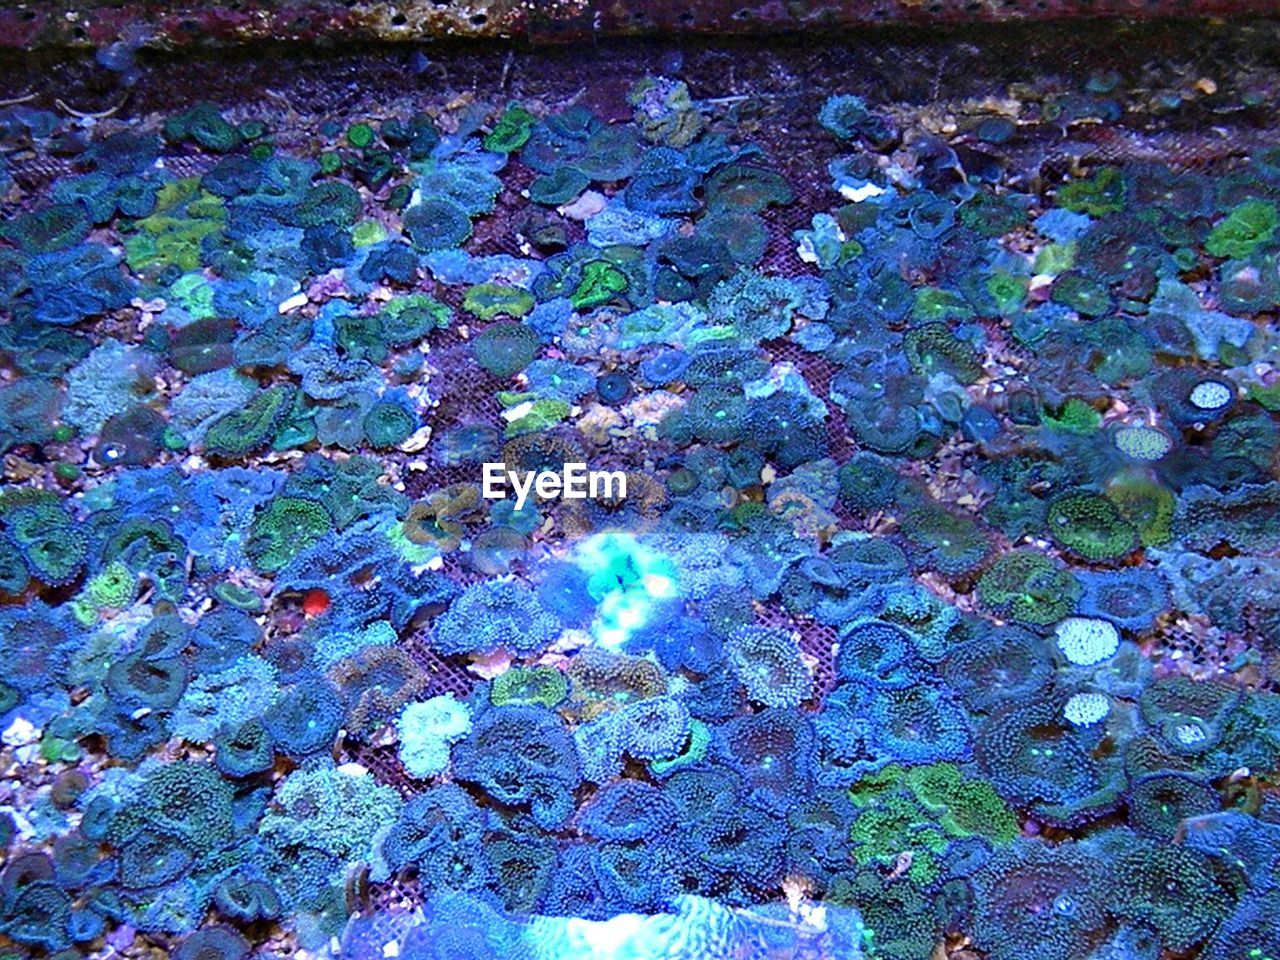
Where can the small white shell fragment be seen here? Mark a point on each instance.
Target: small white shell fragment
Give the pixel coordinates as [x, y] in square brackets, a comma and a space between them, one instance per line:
[585, 207]
[512, 414]
[864, 191]
[20, 733]
[418, 441]
[293, 303]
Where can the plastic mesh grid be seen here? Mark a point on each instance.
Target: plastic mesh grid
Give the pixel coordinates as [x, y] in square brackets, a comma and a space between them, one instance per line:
[817, 642]
[446, 675]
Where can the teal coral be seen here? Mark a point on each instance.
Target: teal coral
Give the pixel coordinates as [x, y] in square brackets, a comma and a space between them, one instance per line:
[427, 730]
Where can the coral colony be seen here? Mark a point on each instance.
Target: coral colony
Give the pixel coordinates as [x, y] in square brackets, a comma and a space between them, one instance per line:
[502, 525]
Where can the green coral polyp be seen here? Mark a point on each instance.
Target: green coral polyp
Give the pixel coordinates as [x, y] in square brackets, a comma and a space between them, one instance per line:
[937, 795]
[601, 281]
[966, 807]
[286, 527]
[505, 348]
[112, 589]
[933, 348]
[511, 131]
[246, 431]
[540, 415]
[546, 686]
[171, 236]
[389, 424]
[1103, 193]
[1029, 587]
[1244, 229]
[1090, 526]
[488, 301]
[1075, 416]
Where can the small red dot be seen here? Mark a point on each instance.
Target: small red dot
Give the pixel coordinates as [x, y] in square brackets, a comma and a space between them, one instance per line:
[315, 603]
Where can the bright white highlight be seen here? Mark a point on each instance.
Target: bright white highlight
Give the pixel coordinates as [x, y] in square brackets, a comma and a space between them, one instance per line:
[865, 190]
[628, 580]
[1086, 640]
[1210, 395]
[1086, 709]
[1190, 734]
[1143, 443]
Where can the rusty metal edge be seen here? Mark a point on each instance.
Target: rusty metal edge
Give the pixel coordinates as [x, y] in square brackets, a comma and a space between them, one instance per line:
[172, 24]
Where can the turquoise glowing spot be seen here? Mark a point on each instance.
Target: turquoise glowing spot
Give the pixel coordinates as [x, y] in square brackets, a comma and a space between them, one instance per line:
[1210, 395]
[1086, 709]
[1142, 443]
[685, 932]
[427, 730]
[1190, 734]
[1085, 641]
[627, 580]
